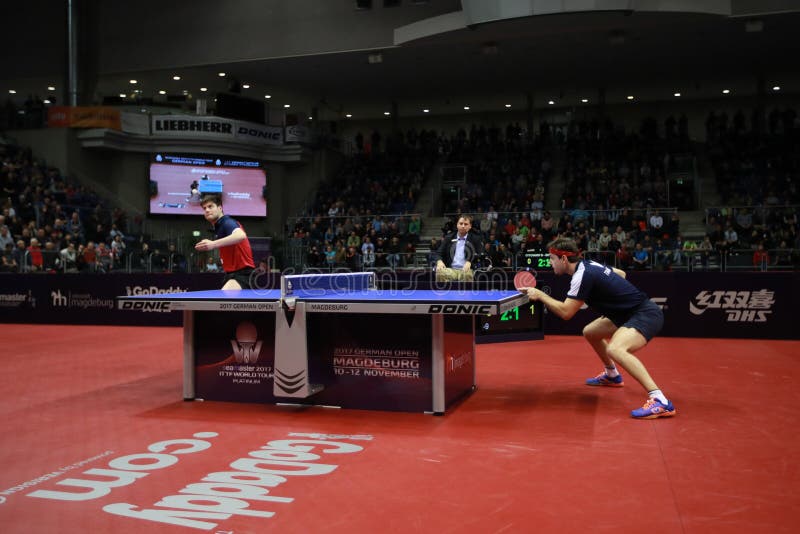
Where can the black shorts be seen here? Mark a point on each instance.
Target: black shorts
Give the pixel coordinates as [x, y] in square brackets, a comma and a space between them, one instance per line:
[647, 319]
[242, 276]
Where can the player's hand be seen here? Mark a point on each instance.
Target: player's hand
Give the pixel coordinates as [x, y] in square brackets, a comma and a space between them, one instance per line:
[533, 293]
[205, 244]
[440, 264]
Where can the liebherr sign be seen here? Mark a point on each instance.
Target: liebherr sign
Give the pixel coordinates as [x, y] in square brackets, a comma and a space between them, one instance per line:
[189, 126]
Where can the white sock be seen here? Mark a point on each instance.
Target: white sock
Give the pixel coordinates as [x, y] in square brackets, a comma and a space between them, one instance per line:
[657, 394]
[611, 372]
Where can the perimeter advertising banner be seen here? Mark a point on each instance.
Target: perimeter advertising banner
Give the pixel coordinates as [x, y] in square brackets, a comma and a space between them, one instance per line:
[83, 117]
[724, 305]
[210, 127]
[699, 304]
[91, 299]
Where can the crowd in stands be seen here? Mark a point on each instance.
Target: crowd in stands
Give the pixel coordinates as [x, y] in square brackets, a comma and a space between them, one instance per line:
[51, 224]
[615, 190]
[363, 218]
[505, 172]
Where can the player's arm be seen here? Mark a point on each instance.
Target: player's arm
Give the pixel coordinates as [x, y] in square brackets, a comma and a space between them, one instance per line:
[564, 309]
[619, 272]
[236, 236]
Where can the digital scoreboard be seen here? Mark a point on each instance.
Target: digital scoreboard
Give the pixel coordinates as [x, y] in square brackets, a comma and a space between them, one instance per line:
[521, 323]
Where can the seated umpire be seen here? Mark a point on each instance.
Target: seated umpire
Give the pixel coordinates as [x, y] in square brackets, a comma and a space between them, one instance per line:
[458, 252]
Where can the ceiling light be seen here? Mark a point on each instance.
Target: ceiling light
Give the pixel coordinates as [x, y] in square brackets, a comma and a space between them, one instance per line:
[287, 105]
[122, 95]
[726, 91]
[550, 102]
[348, 115]
[466, 108]
[629, 97]
[311, 118]
[204, 89]
[51, 88]
[176, 78]
[162, 92]
[508, 105]
[267, 96]
[185, 92]
[46, 101]
[426, 110]
[221, 74]
[677, 94]
[776, 88]
[12, 92]
[584, 100]
[246, 86]
[386, 113]
[134, 82]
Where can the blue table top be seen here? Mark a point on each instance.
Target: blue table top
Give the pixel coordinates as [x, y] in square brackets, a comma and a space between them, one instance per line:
[375, 295]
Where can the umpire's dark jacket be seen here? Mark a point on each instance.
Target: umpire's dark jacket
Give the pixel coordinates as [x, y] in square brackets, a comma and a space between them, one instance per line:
[472, 248]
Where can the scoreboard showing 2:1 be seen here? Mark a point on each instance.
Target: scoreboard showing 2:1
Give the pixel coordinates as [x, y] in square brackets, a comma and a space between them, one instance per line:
[534, 260]
[522, 322]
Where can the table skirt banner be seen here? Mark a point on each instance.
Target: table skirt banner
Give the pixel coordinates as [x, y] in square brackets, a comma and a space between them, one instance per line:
[234, 356]
[377, 362]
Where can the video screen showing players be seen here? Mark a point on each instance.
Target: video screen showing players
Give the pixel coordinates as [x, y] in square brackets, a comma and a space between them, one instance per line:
[178, 183]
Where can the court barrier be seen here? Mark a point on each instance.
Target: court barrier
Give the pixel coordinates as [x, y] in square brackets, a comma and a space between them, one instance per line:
[756, 305]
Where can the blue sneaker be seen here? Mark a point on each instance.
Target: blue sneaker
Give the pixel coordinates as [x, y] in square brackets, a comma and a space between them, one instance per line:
[653, 409]
[604, 380]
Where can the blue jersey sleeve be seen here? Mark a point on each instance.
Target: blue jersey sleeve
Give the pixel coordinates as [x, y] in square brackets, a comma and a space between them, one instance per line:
[225, 227]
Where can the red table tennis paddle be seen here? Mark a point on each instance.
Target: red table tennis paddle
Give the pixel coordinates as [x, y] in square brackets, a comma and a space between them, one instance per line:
[524, 279]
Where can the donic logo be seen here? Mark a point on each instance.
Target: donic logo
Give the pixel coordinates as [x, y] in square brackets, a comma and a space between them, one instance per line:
[466, 309]
[246, 346]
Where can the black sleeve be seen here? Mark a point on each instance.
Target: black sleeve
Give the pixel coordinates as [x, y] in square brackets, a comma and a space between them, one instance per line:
[442, 252]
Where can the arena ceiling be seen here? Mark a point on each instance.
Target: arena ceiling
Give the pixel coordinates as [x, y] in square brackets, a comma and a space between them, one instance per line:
[563, 58]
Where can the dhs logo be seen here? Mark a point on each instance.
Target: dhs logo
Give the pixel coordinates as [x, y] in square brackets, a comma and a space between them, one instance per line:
[145, 306]
[135, 291]
[739, 306]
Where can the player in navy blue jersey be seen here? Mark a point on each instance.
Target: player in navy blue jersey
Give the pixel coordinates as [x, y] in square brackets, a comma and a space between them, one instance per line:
[231, 240]
[629, 320]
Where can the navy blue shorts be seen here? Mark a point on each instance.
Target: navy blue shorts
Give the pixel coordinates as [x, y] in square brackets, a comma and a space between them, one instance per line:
[647, 319]
[242, 276]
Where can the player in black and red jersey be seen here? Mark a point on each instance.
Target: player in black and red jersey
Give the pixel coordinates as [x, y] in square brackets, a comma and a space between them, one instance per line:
[231, 240]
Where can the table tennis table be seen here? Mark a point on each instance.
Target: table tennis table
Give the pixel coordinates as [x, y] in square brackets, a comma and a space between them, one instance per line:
[332, 340]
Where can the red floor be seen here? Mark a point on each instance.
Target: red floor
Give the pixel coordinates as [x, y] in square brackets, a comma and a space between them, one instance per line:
[532, 450]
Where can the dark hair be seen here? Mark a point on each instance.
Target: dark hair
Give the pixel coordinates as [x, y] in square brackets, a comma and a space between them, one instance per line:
[216, 198]
[566, 244]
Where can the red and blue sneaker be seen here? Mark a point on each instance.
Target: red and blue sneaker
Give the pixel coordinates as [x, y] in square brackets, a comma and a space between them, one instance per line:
[604, 380]
[654, 409]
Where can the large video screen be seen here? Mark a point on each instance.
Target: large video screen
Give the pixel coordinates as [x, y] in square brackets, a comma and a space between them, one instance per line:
[178, 183]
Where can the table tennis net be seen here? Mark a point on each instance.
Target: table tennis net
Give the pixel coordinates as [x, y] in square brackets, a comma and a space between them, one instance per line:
[326, 283]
